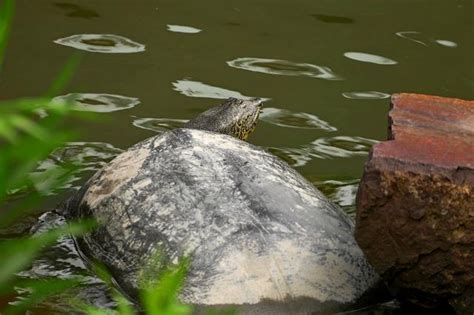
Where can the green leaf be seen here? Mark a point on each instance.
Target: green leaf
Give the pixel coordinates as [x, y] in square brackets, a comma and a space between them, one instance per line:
[27, 125]
[64, 76]
[161, 295]
[124, 307]
[6, 15]
[7, 132]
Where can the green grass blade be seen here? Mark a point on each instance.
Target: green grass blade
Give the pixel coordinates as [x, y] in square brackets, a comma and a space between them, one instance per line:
[63, 78]
[161, 295]
[124, 307]
[7, 132]
[6, 16]
[27, 125]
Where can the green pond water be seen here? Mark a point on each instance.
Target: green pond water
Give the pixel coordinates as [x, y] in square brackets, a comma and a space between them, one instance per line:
[326, 67]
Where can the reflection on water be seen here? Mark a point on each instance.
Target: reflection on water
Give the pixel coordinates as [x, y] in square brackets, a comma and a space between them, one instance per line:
[199, 89]
[63, 261]
[159, 125]
[308, 35]
[325, 148]
[183, 29]
[283, 67]
[286, 118]
[366, 95]
[86, 156]
[410, 36]
[333, 19]
[342, 192]
[74, 10]
[90, 156]
[364, 57]
[446, 43]
[102, 43]
[99, 103]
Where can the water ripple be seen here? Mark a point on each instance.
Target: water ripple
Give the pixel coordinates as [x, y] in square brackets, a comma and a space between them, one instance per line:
[99, 103]
[366, 95]
[159, 125]
[63, 261]
[86, 156]
[183, 29]
[409, 35]
[286, 118]
[325, 148]
[342, 192]
[446, 43]
[199, 89]
[283, 67]
[364, 57]
[102, 43]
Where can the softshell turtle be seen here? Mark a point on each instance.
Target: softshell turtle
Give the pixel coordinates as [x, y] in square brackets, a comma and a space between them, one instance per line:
[261, 238]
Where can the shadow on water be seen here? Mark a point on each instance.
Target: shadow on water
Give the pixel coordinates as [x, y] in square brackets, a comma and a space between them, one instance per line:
[74, 10]
[333, 19]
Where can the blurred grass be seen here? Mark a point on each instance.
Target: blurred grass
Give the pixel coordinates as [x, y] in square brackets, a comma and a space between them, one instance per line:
[6, 16]
[30, 129]
[26, 139]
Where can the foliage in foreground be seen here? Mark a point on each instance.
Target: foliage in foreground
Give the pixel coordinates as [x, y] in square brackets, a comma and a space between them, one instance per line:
[28, 133]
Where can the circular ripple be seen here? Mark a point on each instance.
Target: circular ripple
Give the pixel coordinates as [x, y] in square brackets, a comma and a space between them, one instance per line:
[159, 125]
[102, 43]
[99, 103]
[366, 95]
[364, 57]
[286, 118]
[325, 148]
[283, 67]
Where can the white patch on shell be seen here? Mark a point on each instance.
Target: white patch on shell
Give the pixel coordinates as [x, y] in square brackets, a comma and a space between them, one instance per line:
[221, 141]
[286, 270]
[117, 173]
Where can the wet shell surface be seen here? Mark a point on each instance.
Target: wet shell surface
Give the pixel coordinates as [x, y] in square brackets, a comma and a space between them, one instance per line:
[261, 238]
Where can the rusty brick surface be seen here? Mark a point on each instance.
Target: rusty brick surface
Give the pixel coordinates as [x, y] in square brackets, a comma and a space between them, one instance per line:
[415, 204]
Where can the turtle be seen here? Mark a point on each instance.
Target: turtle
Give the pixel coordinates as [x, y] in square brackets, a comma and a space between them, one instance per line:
[259, 236]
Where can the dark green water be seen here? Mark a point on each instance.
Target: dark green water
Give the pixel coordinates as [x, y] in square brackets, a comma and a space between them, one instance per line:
[327, 67]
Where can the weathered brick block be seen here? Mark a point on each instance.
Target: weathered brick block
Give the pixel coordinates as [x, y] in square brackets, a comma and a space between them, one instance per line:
[415, 204]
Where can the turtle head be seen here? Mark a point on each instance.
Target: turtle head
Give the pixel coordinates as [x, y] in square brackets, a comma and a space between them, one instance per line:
[235, 117]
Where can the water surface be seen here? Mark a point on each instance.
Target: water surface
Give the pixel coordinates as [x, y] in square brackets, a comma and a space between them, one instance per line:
[325, 67]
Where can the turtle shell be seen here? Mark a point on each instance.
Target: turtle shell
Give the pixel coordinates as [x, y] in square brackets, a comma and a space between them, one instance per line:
[260, 237]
